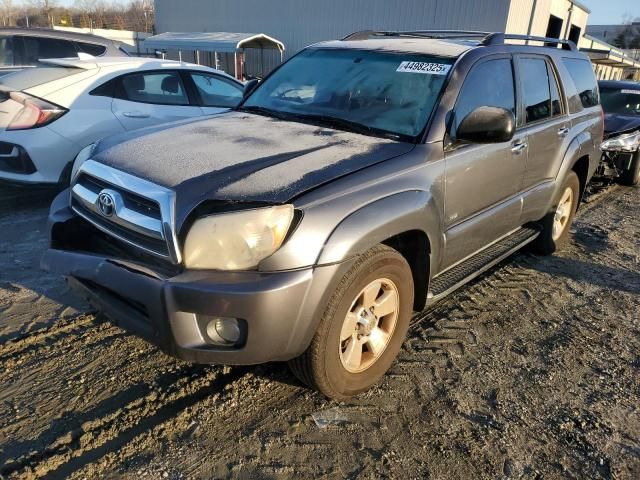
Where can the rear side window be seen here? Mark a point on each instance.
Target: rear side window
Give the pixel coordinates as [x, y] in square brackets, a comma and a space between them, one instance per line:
[160, 88]
[489, 84]
[91, 48]
[6, 51]
[584, 79]
[36, 48]
[536, 95]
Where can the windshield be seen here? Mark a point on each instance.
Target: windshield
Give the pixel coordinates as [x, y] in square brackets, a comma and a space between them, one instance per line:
[620, 101]
[374, 93]
[32, 77]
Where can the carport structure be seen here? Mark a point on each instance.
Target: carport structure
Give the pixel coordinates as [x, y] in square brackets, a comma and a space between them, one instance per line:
[216, 42]
[610, 63]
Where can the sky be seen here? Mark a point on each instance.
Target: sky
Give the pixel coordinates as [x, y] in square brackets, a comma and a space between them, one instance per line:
[606, 12]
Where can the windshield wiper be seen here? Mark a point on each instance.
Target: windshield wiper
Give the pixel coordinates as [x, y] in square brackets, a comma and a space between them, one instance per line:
[343, 124]
[265, 111]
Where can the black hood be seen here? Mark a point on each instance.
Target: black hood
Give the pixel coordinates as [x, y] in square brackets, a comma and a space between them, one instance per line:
[615, 124]
[242, 157]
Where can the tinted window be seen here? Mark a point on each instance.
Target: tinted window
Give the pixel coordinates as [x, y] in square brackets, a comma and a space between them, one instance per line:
[535, 89]
[217, 92]
[556, 102]
[91, 48]
[36, 48]
[372, 92]
[6, 51]
[489, 84]
[623, 101]
[584, 79]
[162, 88]
[36, 76]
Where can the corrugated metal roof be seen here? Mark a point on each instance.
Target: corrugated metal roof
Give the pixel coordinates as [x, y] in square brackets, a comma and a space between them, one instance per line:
[212, 41]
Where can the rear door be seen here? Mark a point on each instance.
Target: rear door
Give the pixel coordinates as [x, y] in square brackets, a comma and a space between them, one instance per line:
[544, 119]
[215, 93]
[483, 181]
[153, 97]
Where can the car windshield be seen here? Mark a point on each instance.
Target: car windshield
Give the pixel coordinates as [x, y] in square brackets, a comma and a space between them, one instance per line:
[620, 101]
[373, 93]
[32, 77]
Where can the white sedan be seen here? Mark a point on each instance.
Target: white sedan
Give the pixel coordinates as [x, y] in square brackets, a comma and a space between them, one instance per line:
[49, 114]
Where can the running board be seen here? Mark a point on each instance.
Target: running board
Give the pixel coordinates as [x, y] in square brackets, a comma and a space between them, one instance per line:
[458, 275]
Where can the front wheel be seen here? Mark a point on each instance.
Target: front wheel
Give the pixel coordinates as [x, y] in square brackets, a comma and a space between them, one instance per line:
[557, 223]
[362, 328]
[631, 176]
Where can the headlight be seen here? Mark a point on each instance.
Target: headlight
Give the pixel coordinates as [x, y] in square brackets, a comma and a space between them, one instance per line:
[236, 240]
[629, 142]
[82, 157]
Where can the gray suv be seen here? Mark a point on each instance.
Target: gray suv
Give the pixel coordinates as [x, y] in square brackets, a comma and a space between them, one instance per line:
[362, 180]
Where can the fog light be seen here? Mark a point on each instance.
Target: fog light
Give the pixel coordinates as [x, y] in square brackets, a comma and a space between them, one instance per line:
[223, 330]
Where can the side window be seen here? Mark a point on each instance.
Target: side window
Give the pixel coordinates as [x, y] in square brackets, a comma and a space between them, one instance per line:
[91, 48]
[535, 89]
[581, 72]
[35, 48]
[6, 51]
[161, 88]
[489, 84]
[556, 102]
[105, 90]
[216, 91]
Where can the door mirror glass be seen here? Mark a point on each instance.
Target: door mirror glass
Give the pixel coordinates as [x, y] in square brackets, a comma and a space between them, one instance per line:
[487, 125]
[249, 87]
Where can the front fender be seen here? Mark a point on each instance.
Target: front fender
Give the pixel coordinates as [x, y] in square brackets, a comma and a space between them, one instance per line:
[381, 220]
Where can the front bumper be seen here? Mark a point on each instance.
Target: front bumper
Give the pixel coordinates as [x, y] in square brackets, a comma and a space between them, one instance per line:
[279, 310]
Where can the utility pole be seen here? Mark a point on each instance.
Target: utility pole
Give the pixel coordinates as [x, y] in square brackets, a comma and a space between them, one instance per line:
[27, 17]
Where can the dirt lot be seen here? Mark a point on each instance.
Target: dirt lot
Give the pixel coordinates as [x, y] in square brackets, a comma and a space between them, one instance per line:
[532, 371]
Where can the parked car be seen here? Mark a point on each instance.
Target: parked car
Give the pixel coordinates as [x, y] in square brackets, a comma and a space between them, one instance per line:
[49, 114]
[24, 48]
[621, 155]
[360, 181]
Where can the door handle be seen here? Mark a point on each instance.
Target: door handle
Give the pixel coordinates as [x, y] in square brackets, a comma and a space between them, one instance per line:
[519, 148]
[135, 115]
[563, 132]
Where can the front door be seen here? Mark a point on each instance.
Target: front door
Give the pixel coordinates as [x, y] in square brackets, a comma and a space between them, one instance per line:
[483, 182]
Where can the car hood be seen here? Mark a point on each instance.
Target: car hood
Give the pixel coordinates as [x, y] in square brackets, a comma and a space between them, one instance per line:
[616, 124]
[242, 157]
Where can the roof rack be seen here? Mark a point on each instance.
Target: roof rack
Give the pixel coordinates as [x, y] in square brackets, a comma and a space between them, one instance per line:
[499, 39]
[451, 34]
[486, 38]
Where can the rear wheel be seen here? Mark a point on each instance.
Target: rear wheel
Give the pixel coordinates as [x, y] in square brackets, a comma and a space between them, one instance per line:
[362, 328]
[631, 176]
[557, 223]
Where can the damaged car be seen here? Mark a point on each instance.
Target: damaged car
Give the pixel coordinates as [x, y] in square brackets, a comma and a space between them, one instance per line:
[362, 180]
[620, 149]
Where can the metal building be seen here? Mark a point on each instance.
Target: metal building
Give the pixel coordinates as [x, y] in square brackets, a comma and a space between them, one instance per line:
[298, 23]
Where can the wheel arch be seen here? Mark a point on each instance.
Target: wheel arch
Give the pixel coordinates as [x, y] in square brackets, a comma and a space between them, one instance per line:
[406, 221]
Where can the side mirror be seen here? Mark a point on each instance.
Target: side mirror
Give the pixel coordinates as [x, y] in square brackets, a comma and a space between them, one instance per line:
[487, 125]
[249, 87]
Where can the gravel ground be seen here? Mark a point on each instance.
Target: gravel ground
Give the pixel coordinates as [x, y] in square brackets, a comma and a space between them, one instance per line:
[531, 371]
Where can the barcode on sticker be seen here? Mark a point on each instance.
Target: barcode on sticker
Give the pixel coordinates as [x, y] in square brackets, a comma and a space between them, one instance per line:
[632, 92]
[424, 67]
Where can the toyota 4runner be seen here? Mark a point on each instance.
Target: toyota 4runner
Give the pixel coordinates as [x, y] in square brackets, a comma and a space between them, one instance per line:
[362, 180]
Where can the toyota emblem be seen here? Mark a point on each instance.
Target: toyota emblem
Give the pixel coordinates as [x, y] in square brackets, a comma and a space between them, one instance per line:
[106, 204]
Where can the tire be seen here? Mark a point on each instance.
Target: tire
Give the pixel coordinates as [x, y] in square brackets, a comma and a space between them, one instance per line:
[631, 176]
[549, 241]
[330, 363]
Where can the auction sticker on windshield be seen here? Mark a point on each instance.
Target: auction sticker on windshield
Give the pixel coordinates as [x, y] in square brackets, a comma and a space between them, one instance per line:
[424, 67]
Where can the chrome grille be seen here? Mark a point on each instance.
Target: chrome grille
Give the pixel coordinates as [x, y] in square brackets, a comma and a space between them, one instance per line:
[126, 207]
